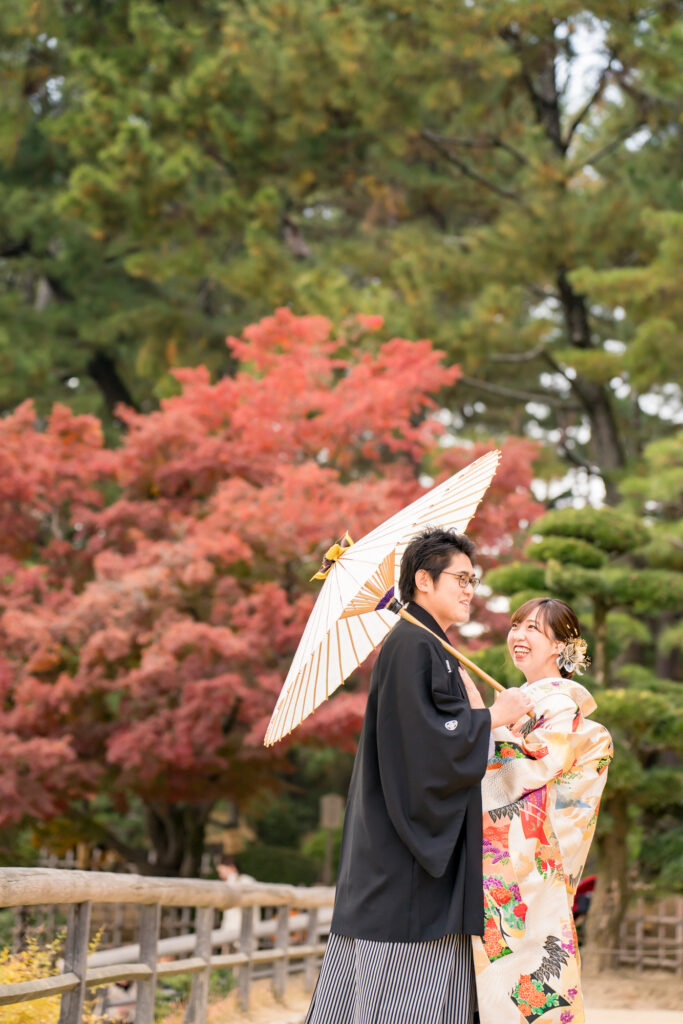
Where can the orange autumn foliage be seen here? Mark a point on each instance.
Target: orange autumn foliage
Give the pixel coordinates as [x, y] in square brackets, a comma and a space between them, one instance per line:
[152, 596]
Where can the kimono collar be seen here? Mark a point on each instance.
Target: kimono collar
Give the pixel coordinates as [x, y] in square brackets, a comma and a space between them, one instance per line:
[426, 619]
[558, 684]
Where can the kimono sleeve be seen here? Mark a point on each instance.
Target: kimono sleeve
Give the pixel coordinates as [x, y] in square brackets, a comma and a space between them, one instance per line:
[432, 751]
[551, 747]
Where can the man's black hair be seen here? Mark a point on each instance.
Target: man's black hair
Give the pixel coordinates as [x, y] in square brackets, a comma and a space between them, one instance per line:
[432, 551]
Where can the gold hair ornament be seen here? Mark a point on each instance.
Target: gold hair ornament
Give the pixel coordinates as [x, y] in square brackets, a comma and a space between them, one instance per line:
[573, 656]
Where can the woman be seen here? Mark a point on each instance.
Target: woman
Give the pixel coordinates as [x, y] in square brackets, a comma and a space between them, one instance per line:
[541, 795]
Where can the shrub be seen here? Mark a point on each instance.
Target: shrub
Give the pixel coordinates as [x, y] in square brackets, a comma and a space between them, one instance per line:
[277, 864]
[314, 847]
[35, 962]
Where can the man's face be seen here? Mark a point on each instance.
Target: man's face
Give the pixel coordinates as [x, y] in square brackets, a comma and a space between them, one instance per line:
[446, 600]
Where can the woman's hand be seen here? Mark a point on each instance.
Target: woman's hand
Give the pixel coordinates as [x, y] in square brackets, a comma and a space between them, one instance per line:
[475, 698]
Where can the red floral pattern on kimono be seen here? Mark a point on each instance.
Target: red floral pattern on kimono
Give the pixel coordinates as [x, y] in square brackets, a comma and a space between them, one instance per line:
[541, 795]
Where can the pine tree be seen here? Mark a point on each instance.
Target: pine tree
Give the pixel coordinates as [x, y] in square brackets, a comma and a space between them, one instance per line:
[179, 170]
[624, 577]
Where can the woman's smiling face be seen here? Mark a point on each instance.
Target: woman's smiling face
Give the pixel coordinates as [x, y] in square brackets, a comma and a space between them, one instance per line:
[533, 651]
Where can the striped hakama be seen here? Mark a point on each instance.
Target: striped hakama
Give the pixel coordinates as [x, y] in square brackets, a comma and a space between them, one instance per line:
[366, 982]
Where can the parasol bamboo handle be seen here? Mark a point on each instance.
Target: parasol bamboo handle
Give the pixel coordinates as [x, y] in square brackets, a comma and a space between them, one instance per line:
[461, 657]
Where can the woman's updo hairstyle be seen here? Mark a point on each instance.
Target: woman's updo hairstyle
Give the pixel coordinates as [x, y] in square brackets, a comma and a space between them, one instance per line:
[559, 622]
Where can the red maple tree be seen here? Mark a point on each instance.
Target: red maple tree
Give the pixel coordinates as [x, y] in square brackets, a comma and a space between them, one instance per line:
[152, 596]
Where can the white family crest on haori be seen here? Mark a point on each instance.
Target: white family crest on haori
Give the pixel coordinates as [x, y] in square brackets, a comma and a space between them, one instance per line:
[350, 617]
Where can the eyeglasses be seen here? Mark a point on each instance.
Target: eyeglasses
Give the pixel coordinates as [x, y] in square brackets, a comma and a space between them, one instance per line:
[464, 579]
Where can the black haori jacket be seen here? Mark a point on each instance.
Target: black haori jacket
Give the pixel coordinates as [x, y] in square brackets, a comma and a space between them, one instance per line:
[411, 859]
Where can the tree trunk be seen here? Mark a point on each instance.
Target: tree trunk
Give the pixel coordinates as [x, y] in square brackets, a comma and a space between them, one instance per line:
[600, 664]
[610, 897]
[606, 445]
[177, 835]
[20, 929]
[538, 60]
[102, 369]
[668, 663]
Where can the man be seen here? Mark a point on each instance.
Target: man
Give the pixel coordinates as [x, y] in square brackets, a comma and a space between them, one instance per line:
[409, 888]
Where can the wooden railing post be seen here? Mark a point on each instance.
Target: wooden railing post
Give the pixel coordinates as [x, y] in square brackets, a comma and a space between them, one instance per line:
[198, 1006]
[246, 947]
[75, 961]
[281, 943]
[311, 965]
[639, 943]
[150, 918]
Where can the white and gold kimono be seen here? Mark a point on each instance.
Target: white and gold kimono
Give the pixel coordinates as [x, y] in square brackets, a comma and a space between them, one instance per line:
[541, 794]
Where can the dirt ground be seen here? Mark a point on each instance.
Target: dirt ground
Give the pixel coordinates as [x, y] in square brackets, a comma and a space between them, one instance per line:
[264, 1008]
[612, 997]
[633, 990]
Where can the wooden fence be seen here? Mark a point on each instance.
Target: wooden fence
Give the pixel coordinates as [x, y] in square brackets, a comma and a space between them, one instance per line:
[652, 936]
[24, 887]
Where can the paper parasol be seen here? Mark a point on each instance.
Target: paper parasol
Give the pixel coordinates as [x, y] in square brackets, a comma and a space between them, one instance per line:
[350, 617]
